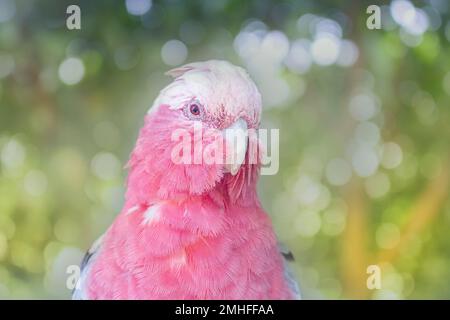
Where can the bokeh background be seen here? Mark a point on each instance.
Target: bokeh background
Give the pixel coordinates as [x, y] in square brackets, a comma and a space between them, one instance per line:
[363, 117]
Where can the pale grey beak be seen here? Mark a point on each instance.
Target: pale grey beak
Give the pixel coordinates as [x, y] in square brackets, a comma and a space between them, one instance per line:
[236, 141]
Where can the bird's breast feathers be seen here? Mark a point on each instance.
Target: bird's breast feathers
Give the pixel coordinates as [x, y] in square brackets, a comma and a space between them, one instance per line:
[172, 251]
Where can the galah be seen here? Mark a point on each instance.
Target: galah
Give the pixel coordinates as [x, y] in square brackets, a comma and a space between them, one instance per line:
[192, 230]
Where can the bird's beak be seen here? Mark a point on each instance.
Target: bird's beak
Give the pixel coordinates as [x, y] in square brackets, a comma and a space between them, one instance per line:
[236, 140]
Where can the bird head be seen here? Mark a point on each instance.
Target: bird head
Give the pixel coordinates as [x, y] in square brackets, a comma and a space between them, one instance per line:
[198, 136]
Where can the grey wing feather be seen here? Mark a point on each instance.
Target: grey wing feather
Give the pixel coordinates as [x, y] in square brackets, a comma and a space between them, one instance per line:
[288, 274]
[79, 292]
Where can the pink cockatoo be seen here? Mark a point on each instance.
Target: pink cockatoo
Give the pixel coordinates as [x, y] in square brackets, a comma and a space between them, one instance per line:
[192, 230]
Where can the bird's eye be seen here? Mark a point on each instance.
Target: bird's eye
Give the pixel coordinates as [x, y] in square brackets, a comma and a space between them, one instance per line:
[194, 109]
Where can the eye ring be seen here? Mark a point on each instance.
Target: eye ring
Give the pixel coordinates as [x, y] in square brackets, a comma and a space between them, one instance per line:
[194, 110]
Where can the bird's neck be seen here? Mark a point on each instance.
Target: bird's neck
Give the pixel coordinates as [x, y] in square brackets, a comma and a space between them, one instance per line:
[227, 194]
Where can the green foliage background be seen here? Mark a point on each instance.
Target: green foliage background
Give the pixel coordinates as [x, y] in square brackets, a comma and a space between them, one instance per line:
[63, 147]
